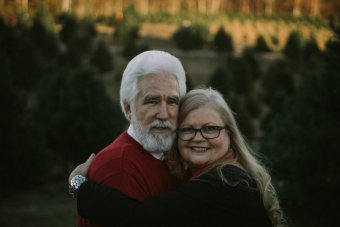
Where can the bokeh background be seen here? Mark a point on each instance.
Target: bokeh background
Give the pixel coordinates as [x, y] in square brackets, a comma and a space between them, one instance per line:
[276, 62]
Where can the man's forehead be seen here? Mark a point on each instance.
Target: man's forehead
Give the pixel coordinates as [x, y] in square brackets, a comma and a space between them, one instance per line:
[156, 78]
[158, 85]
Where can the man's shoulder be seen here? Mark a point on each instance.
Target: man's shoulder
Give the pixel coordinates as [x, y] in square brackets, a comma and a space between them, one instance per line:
[117, 157]
[120, 147]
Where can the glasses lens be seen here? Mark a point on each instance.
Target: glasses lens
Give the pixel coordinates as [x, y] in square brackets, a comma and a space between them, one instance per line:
[186, 133]
[211, 132]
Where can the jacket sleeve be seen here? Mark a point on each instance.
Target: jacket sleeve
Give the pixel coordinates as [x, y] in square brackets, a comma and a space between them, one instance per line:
[110, 207]
[103, 205]
[202, 201]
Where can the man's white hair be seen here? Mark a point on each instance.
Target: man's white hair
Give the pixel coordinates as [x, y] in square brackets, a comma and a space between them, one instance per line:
[146, 63]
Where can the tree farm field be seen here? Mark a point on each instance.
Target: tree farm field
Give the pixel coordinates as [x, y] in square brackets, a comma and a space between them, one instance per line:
[245, 32]
[50, 205]
[200, 64]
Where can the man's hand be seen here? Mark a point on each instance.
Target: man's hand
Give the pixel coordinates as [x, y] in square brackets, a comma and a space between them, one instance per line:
[82, 169]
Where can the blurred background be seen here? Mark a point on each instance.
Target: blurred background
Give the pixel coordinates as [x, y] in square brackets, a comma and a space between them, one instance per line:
[276, 62]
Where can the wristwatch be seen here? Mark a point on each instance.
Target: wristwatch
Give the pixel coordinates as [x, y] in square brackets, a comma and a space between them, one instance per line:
[75, 183]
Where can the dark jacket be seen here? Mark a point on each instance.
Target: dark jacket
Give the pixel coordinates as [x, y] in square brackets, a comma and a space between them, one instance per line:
[204, 201]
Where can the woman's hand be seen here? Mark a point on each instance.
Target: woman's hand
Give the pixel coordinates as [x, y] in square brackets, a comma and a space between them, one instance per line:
[82, 169]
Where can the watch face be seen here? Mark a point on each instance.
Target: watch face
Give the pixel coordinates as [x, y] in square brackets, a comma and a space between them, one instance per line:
[76, 181]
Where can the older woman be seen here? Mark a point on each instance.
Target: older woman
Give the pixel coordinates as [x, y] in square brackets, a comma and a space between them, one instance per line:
[226, 184]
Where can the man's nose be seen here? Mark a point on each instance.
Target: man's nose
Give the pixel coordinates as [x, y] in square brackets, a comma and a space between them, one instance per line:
[163, 112]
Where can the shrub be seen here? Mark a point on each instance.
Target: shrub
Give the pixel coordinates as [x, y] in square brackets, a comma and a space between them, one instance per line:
[191, 37]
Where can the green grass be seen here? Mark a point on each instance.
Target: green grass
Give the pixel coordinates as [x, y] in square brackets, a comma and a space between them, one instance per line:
[49, 206]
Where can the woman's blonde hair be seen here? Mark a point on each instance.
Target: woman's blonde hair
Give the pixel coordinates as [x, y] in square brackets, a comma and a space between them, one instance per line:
[242, 153]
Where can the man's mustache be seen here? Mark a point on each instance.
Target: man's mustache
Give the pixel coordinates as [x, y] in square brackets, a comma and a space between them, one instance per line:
[161, 124]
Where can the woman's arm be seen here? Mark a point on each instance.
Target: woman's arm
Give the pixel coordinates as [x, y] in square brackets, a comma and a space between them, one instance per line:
[206, 200]
[192, 203]
[103, 205]
[110, 207]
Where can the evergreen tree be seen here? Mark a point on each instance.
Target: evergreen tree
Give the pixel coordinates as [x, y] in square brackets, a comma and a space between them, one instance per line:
[222, 79]
[77, 37]
[294, 45]
[69, 26]
[311, 48]
[223, 41]
[101, 57]
[261, 45]
[42, 35]
[278, 86]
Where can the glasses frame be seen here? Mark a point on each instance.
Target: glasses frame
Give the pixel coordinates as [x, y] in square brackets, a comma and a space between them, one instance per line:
[220, 128]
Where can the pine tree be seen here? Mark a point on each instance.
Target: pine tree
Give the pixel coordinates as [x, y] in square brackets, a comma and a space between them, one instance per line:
[223, 41]
[101, 58]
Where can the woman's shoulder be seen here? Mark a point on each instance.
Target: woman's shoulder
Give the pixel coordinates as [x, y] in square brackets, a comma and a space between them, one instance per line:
[234, 170]
[232, 174]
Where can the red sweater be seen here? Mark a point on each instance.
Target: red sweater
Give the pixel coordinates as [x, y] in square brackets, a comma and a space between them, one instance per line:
[126, 166]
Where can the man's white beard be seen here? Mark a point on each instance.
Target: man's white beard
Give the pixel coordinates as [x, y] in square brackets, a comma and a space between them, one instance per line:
[152, 142]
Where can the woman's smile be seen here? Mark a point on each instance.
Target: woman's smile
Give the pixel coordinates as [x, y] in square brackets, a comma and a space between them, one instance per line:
[199, 149]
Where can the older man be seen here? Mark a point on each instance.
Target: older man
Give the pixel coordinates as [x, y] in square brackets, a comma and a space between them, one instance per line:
[152, 84]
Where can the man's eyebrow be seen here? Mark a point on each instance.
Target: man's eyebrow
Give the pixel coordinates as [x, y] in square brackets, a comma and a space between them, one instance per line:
[150, 98]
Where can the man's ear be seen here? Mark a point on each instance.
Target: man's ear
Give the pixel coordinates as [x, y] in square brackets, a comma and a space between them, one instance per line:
[127, 109]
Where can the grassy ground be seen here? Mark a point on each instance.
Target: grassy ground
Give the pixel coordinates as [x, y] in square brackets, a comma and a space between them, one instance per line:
[49, 205]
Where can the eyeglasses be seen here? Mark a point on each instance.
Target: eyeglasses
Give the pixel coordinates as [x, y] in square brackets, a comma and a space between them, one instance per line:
[207, 132]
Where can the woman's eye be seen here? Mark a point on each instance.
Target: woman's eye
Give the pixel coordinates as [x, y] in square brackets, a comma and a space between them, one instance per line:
[209, 129]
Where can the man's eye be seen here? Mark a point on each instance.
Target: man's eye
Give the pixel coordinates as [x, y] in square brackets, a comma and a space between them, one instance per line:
[173, 101]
